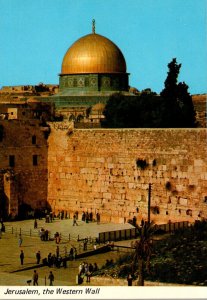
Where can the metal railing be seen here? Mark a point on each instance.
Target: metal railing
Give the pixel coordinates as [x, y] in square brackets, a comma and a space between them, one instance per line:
[16, 231]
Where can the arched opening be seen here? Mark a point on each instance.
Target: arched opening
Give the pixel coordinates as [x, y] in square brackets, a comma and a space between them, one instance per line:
[72, 118]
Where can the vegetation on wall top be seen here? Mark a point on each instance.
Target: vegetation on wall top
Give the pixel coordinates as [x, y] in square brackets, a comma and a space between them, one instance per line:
[173, 108]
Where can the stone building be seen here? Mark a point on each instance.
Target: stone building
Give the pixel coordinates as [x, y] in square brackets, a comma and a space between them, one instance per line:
[47, 164]
[23, 167]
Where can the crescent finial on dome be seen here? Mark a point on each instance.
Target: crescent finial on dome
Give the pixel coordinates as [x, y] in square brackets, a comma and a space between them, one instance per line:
[93, 26]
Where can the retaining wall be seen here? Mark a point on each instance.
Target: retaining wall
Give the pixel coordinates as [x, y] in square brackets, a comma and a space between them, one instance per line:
[99, 170]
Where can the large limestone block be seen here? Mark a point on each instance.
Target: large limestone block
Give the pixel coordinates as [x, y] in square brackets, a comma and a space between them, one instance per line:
[198, 162]
[183, 201]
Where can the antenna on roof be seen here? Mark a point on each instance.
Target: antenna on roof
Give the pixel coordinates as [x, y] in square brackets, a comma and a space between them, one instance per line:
[93, 26]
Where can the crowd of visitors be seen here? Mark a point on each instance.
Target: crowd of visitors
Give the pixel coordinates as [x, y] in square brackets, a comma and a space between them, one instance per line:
[53, 260]
[88, 217]
[58, 259]
[86, 270]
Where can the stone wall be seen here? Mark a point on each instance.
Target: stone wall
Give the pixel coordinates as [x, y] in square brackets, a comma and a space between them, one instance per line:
[26, 143]
[109, 171]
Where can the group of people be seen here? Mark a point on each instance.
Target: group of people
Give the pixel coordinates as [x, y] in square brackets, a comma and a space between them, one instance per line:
[35, 278]
[88, 217]
[53, 260]
[38, 257]
[49, 217]
[44, 234]
[86, 270]
[56, 260]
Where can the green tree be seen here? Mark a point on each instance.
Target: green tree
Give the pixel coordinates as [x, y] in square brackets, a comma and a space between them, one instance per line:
[143, 251]
[143, 111]
[177, 103]
[172, 109]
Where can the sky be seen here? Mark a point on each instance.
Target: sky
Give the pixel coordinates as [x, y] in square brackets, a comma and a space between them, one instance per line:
[35, 35]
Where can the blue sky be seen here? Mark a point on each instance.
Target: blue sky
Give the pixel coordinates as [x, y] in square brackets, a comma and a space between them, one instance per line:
[36, 34]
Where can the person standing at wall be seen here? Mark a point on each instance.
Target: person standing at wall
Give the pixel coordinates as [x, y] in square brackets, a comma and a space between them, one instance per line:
[75, 220]
[98, 218]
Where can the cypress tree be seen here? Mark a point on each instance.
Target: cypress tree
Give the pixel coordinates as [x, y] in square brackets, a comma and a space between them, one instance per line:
[177, 102]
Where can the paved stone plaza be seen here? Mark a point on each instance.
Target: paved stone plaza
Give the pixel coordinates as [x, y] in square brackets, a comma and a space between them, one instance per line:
[10, 250]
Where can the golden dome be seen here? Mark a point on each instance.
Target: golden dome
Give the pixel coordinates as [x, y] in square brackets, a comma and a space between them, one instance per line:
[93, 53]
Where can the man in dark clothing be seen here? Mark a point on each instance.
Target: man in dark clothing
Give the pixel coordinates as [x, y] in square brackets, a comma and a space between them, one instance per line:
[51, 278]
[49, 259]
[91, 216]
[75, 220]
[57, 251]
[90, 269]
[22, 257]
[35, 223]
[38, 257]
[71, 253]
[85, 244]
[35, 278]
[129, 279]
[83, 216]
[46, 235]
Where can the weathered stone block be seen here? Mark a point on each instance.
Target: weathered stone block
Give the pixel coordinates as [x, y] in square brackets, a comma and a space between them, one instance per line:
[183, 201]
[198, 162]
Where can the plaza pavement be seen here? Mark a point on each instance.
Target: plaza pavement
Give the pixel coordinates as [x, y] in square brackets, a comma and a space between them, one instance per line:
[10, 250]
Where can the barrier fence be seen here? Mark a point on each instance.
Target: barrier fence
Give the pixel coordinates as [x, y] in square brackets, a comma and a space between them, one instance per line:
[103, 237]
[36, 233]
[117, 235]
[171, 226]
[132, 233]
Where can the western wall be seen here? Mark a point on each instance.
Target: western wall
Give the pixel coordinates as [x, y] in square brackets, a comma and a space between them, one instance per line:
[109, 171]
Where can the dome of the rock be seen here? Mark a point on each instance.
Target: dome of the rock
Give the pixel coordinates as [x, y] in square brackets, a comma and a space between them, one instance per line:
[91, 54]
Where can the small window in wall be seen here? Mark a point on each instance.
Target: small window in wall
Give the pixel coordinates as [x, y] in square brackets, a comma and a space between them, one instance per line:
[34, 158]
[11, 161]
[34, 139]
